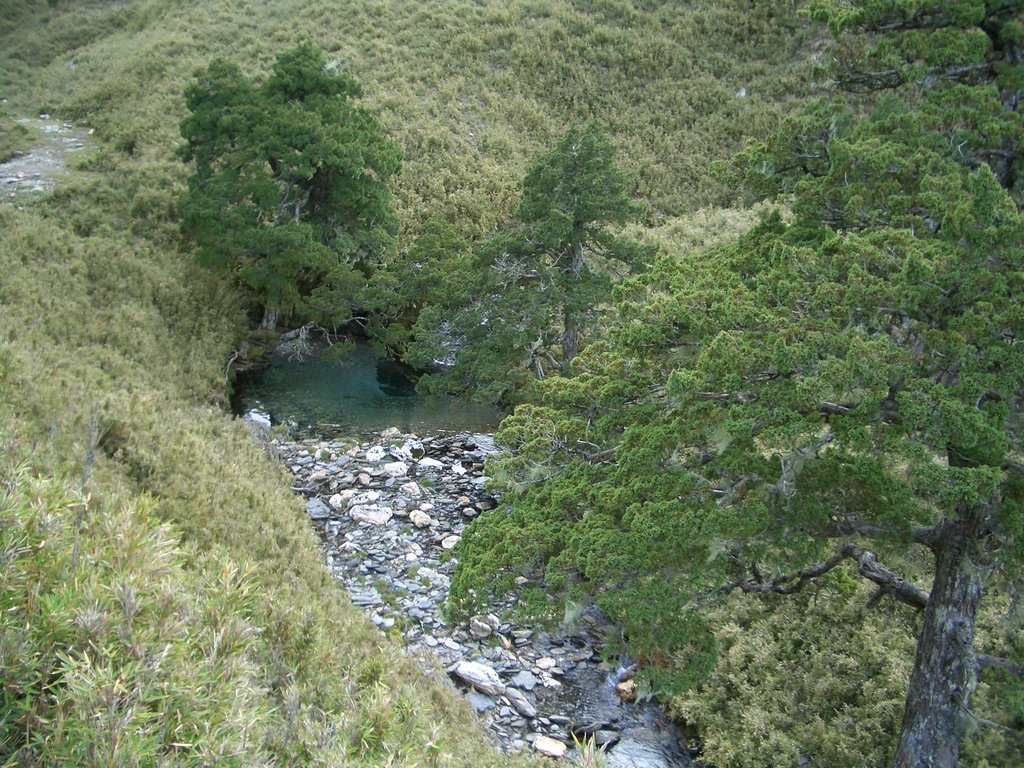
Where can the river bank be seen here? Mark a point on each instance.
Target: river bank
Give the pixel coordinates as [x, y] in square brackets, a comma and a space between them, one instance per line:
[389, 511]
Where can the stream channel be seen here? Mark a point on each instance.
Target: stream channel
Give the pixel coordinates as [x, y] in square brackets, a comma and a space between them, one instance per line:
[28, 175]
[391, 479]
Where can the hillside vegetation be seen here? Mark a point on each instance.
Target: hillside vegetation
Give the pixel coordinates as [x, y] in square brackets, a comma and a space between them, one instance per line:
[164, 601]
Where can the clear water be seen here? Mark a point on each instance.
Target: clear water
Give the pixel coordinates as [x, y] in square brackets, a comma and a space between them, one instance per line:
[360, 396]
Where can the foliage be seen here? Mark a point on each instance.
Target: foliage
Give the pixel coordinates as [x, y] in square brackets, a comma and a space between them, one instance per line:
[289, 192]
[845, 383]
[15, 138]
[816, 680]
[536, 287]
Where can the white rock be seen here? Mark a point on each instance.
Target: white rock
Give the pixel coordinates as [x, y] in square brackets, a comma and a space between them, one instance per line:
[550, 747]
[370, 513]
[342, 498]
[479, 676]
[376, 453]
[396, 469]
[363, 479]
[412, 488]
[428, 463]
[545, 662]
[390, 433]
[366, 497]
[458, 469]
[479, 628]
[419, 518]
[258, 419]
[449, 542]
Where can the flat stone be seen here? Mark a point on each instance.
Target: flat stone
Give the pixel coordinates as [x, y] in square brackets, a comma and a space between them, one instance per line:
[550, 747]
[428, 463]
[370, 513]
[375, 454]
[521, 703]
[478, 676]
[480, 702]
[450, 541]
[524, 680]
[317, 510]
[545, 662]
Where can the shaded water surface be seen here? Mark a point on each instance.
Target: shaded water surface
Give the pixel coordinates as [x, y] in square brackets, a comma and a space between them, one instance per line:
[361, 395]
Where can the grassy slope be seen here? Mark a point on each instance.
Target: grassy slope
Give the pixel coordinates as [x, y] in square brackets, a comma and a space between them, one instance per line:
[112, 344]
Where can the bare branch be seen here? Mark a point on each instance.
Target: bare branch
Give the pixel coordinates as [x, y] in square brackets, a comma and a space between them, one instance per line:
[988, 662]
[889, 583]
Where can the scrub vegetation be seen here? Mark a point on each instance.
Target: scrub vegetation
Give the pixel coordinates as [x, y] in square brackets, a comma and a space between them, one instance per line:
[819, 371]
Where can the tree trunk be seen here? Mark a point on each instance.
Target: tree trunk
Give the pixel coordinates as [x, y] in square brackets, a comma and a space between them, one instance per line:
[570, 336]
[571, 327]
[269, 321]
[945, 667]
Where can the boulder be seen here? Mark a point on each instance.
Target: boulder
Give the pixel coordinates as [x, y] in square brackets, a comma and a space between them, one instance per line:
[428, 463]
[478, 676]
[450, 541]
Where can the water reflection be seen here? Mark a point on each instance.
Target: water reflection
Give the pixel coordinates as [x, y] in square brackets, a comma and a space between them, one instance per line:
[361, 395]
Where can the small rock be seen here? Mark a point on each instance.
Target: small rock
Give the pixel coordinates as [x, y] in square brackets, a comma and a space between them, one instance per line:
[370, 513]
[550, 747]
[450, 541]
[626, 690]
[428, 463]
[375, 454]
[479, 628]
[390, 433]
[545, 662]
[419, 518]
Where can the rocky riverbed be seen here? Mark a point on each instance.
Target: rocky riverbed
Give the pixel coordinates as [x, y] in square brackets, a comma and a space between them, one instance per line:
[389, 511]
[35, 171]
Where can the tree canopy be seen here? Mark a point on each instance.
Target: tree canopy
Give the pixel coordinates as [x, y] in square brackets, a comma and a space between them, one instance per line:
[536, 287]
[290, 186]
[841, 386]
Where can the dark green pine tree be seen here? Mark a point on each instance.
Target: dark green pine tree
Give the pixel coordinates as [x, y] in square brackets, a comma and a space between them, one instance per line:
[573, 197]
[290, 188]
[843, 388]
[534, 290]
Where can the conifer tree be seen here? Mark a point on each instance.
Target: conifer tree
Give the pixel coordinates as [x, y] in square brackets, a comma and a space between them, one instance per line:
[844, 388]
[290, 188]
